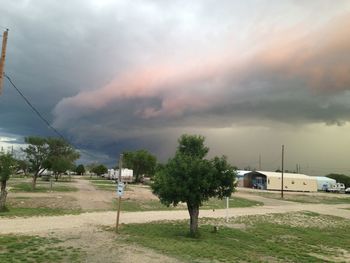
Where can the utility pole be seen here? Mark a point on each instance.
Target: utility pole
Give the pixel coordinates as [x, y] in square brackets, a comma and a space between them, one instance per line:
[2, 58]
[259, 162]
[120, 190]
[282, 171]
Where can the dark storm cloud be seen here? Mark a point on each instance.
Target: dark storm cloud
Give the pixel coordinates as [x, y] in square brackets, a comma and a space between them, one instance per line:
[114, 75]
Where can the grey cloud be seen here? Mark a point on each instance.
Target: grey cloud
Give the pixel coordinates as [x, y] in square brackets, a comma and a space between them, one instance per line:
[59, 50]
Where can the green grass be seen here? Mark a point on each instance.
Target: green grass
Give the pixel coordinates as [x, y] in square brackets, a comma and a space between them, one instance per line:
[155, 205]
[215, 203]
[264, 239]
[41, 187]
[103, 184]
[41, 211]
[308, 199]
[36, 249]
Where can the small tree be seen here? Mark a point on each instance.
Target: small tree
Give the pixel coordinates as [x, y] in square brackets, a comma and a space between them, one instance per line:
[7, 164]
[60, 165]
[190, 178]
[44, 153]
[99, 169]
[22, 166]
[141, 162]
[80, 170]
[37, 153]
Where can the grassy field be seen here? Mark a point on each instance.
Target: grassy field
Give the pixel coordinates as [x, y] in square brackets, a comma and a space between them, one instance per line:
[303, 198]
[103, 184]
[24, 185]
[36, 249]
[270, 238]
[155, 205]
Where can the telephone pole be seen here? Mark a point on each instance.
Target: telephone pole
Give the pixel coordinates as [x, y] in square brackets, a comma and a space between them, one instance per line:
[2, 58]
[282, 171]
[259, 162]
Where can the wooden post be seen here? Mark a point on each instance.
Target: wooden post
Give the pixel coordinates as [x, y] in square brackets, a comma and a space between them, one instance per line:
[119, 198]
[2, 58]
[282, 185]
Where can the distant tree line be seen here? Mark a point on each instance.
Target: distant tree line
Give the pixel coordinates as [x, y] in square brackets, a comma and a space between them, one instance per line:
[340, 178]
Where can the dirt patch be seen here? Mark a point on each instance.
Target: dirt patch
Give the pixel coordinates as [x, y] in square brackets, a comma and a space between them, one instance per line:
[99, 245]
[139, 192]
[299, 219]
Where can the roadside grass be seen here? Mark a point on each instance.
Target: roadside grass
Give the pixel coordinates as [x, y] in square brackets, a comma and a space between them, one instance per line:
[155, 205]
[93, 178]
[41, 187]
[108, 185]
[261, 239]
[18, 248]
[309, 199]
[38, 211]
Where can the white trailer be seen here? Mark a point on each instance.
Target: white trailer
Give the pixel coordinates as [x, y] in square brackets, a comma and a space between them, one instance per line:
[127, 175]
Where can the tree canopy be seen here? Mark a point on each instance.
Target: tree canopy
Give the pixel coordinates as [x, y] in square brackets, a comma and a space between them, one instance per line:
[190, 178]
[99, 169]
[48, 153]
[80, 169]
[141, 162]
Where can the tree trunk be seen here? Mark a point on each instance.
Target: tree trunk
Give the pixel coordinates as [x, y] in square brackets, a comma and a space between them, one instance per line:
[35, 176]
[3, 195]
[193, 210]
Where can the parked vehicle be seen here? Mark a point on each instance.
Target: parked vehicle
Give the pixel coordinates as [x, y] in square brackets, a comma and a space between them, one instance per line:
[347, 190]
[337, 188]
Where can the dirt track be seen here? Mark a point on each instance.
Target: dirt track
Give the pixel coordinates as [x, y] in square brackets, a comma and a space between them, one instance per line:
[88, 197]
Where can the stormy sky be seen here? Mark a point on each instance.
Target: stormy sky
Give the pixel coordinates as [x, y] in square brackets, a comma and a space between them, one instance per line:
[125, 75]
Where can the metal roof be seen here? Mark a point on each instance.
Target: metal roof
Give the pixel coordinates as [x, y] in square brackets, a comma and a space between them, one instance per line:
[286, 175]
[324, 178]
[242, 172]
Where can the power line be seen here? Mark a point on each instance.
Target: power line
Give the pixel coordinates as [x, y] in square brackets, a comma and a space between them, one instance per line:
[34, 109]
[43, 118]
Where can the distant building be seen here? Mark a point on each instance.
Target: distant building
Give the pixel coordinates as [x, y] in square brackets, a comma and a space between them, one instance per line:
[324, 183]
[240, 177]
[273, 181]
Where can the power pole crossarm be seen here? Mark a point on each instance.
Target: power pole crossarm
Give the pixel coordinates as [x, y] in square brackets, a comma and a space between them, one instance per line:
[2, 58]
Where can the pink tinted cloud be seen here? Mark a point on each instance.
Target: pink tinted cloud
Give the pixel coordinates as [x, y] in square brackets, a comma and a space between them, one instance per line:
[320, 58]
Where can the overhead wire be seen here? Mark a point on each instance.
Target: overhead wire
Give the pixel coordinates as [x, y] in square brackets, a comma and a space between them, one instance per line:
[43, 118]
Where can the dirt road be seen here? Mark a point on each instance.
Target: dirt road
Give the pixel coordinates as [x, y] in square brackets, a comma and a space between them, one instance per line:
[52, 223]
[89, 198]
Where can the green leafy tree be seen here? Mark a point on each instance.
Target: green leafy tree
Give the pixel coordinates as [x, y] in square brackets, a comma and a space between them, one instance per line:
[43, 153]
[80, 169]
[60, 165]
[7, 165]
[37, 153]
[141, 162]
[22, 166]
[190, 178]
[99, 169]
